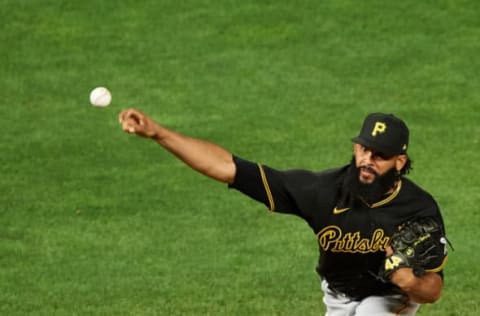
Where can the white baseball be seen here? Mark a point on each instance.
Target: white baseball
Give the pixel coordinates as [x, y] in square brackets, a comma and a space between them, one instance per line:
[100, 96]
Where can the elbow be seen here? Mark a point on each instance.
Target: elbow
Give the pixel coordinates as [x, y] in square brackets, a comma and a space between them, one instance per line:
[435, 289]
[423, 290]
[435, 296]
[430, 298]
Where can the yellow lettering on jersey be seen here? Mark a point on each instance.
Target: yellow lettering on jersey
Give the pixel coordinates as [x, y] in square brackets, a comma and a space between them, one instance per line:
[379, 241]
[350, 240]
[363, 245]
[379, 128]
[332, 238]
[328, 237]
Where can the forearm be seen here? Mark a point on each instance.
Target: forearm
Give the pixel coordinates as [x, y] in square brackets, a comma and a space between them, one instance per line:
[203, 156]
[424, 289]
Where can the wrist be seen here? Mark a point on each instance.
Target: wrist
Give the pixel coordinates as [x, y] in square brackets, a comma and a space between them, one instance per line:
[157, 133]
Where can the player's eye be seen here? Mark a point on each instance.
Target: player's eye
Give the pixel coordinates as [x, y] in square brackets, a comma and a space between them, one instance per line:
[376, 154]
[382, 156]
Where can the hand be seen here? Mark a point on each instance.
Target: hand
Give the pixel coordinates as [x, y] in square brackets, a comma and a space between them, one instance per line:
[135, 122]
[401, 277]
[419, 245]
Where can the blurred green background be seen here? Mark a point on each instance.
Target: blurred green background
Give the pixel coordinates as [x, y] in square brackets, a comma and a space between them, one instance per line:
[97, 222]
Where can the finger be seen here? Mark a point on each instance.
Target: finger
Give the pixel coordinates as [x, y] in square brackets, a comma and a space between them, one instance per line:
[129, 125]
[125, 126]
[140, 117]
[122, 116]
[389, 250]
[136, 116]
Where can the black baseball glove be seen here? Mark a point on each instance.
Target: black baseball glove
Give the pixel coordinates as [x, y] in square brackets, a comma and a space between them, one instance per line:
[419, 245]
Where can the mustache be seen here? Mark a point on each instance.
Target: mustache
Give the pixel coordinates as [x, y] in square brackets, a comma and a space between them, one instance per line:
[369, 193]
[368, 168]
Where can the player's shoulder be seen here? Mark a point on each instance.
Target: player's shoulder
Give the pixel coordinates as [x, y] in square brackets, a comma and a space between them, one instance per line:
[411, 187]
[414, 193]
[306, 180]
[330, 175]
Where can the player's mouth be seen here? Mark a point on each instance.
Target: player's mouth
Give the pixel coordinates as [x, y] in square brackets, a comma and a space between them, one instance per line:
[367, 169]
[367, 174]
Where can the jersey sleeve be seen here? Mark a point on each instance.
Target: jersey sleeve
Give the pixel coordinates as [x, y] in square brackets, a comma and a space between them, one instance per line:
[441, 253]
[248, 180]
[280, 191]
[424, 206]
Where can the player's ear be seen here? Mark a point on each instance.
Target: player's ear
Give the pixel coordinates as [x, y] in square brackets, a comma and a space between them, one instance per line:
[355, 148]
[400, 162]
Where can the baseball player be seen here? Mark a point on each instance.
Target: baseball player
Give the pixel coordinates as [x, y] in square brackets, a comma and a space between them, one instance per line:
[381, 237]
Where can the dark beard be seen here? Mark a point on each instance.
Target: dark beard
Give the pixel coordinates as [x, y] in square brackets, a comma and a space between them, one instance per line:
[369, 193]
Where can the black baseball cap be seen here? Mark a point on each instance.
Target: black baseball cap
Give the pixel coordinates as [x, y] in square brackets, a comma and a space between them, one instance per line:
[384, 133]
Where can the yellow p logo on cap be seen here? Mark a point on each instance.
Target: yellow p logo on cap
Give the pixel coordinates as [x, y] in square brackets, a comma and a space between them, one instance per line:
[379, 128]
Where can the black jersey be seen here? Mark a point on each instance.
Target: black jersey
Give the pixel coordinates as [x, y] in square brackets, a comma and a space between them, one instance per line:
[352, 237]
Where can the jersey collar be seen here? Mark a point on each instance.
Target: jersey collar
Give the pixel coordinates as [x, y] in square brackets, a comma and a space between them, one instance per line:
[388, 198]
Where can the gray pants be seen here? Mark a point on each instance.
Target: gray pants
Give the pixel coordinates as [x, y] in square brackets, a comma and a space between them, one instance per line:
[341, 305]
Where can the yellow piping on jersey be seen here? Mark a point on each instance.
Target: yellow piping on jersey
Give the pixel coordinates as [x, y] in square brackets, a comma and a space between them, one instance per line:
[267, 188]
[390, 197]
[439, 268]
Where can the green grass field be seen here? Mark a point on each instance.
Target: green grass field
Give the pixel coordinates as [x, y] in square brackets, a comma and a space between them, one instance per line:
[97, 222]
